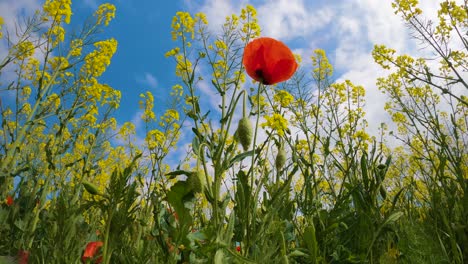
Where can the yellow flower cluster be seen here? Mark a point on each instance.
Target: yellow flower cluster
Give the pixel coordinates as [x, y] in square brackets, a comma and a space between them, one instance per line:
[177, 91]
[263, 102]
[250, 27]
[321, 66]
[172, 52]
[58, 10]
[408, 8]
[56, 34]
[126, 130]
[155, 138]
[184, 66]
[283, 98]
[23, 50]
[169, 116]
[97, 61]
[277, 123]
[76, 46]
[105, 13]
[382, 55]
[57, 62]
[182, 23]
[231, 22]
[53, 102]
[1, 24]
[147, 104]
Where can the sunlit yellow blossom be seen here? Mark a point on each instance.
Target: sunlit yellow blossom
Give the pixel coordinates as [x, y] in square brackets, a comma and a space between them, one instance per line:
[184, 66]
[177, 90]
[321, 66]
[58, 10]
[183, 23]
[97, 61]
[172, 52]
[24, 50]
[147, 104]
[53, 101]
[105, 13]
[126, 129]
[263, 102]
[55, 62]
[277, 123]
[155, 138]
[250, 24]
[75, 47]
[283, 98]
[1, 24]
[56, 35]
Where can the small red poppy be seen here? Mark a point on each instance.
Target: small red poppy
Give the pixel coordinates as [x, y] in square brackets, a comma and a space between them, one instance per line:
[238, 248]
[23, 257]
[91, 250]
[269, 61]
[9, 200]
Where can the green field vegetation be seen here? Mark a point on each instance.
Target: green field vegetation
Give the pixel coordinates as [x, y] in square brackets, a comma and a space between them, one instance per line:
[302, 181]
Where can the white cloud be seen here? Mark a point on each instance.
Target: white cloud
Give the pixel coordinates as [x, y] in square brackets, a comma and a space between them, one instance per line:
[91, 3]
[287, 19]
[148, 79]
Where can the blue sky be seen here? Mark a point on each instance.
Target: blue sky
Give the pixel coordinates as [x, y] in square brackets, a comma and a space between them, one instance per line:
[345, 29]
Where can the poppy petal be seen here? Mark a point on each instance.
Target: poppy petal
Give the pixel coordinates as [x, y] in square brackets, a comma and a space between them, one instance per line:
[269, 61]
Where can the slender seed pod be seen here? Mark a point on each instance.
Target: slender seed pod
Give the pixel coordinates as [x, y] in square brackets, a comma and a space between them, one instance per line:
[280, 159]
[196, 181]
[244, 132]
[90, 187]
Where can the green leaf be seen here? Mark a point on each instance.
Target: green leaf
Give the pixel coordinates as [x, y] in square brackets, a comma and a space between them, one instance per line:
[311, 242]
[219, 257]
[196, 145]
[365, 173]
[392, 218]
[179, 193]
[240, 157]
[176, 173]
[196, 236]
[395, 199]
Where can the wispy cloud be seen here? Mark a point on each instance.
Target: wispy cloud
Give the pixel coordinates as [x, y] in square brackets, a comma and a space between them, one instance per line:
[147, 79]
[91, 3]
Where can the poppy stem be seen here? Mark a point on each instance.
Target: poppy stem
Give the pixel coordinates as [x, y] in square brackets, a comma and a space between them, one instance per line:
[244, 106]
[251, 171]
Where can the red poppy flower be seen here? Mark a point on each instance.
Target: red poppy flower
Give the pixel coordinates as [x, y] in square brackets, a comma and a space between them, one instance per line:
[238, 248]
[91, 250]
[269, 61]
[23, 257]
[9, 200]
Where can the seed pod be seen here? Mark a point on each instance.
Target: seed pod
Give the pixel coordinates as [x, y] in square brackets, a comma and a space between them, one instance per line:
[91, 188]
[196, 181]
[244, 132]
[280, 159]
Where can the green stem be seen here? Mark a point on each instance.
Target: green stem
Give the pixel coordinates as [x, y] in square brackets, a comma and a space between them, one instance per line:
[251, 171]
[106, 247]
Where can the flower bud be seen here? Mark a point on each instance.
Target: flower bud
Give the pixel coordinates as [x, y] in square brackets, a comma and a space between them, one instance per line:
[90, 187]
[280, 159]
[244, 132]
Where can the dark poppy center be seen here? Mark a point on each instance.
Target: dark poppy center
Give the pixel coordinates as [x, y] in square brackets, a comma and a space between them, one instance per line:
[259, 74]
